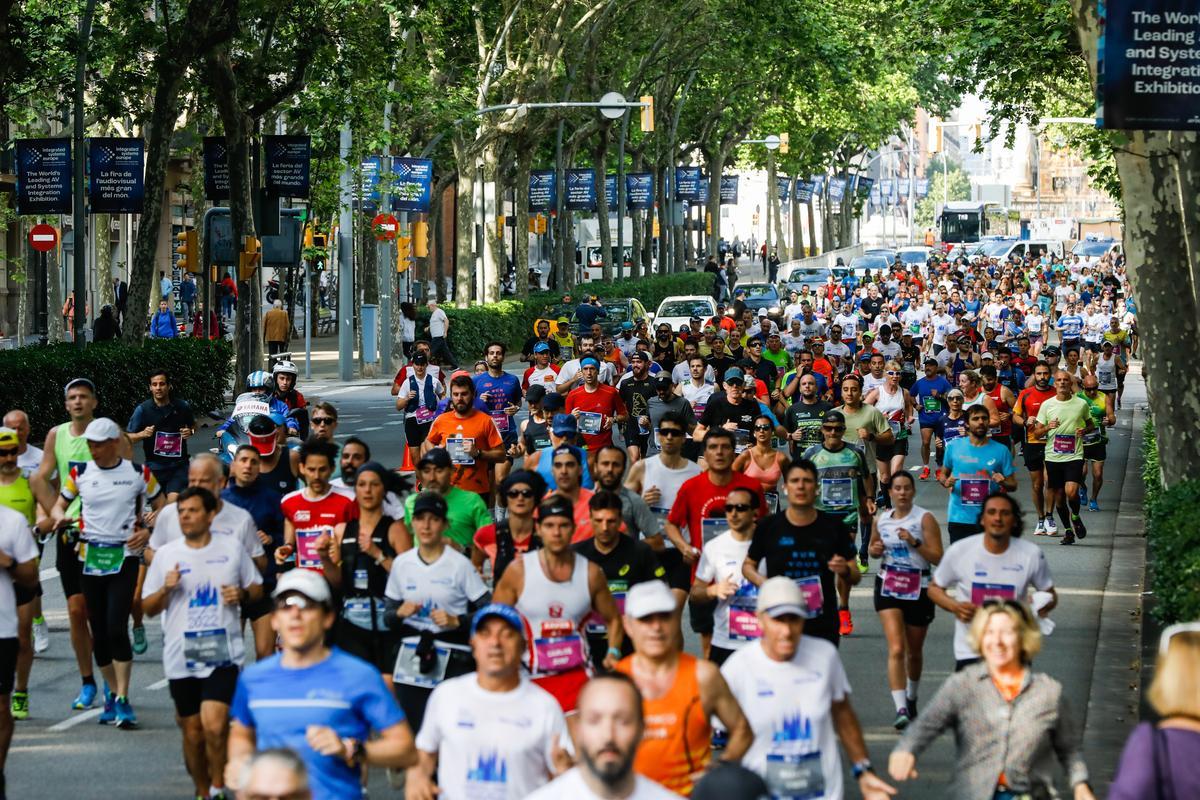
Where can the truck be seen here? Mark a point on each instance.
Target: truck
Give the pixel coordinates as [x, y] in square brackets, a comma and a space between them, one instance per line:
[588, 252]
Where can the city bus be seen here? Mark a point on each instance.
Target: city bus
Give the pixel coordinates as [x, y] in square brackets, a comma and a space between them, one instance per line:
[966, 222]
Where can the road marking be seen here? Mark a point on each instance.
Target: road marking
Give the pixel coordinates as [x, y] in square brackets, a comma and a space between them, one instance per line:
[79, 719]
[372, 428]
[346, 390]
[49, 573]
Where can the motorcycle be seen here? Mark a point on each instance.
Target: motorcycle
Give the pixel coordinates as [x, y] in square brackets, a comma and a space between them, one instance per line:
[235, 429]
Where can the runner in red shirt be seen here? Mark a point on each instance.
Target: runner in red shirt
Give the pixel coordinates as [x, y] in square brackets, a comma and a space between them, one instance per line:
[596, 406]
[311, 514]
[541, 371]
[1024, 411]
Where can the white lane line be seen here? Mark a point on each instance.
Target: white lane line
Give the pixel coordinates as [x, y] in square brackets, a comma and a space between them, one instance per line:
[49, 573]
[372, 428]
[346, 390]
[154, 687]
[78, 719]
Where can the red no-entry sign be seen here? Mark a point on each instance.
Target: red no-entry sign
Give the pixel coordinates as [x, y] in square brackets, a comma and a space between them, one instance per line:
[43, 237]
[385, 227]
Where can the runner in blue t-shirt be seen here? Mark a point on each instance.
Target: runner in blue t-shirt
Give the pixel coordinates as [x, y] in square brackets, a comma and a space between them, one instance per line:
[973, 467]
[929, 396]
[322, 703]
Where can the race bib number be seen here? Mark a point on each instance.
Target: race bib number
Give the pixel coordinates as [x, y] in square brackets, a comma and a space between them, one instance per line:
[795, 777]
[501, 420]
[102, 559]
[982, 592]
[408, 664]
[743, 624]
[1064, 443]
[1094, 436]
[814, 600]
[931, 405]
[698, 409]
[712, 528]
[742, 439]
[168, 445]
[837, 492]
[894, 424]
[901, 583]
[459, 448]
[424, 414]
[974, 490]
[207, 648]
[591, 422]
[559, 648]
[307, 555]
[594, 624]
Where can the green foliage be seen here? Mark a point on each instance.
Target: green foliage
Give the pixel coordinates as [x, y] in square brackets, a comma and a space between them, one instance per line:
[1173, 531]
[1151, 470]
[34, 376]
[958, 187]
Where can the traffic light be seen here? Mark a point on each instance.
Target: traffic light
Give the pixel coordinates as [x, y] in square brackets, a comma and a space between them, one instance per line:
[308, 236]
[647, 113]
[249, 258]
[783, 142]
[935, 139]
[403, 253]
[189, 252]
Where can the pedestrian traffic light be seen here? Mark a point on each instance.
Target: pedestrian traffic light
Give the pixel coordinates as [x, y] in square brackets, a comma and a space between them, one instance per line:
[783, 142]
[188, 251]
[318, 240]
[249, 258]
[403, 253]
[647, 113]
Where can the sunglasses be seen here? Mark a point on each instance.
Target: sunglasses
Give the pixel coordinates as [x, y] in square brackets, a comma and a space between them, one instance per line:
[512, 494]
[891, 372]
[10, 451]
[297, 601]
[670, 432]
[740, 508]
[763, 428]
[323, 420]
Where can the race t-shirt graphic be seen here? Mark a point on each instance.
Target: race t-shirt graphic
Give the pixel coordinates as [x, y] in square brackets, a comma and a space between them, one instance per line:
[488, 778]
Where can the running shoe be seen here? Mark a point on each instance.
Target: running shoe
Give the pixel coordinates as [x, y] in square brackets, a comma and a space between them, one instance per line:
[1080, 528]
[126, 719]
[902, 719]
[1051, 527]
[925, 474]
[20, 705]
[1093, 506]
[864, 566]
[41, 635]
[720, 739]
[846, 622]
[912, 707]
[86, 698]
[1068, 538]
[1082, 494]
[1040, 530]
[139, 640]
[109, 714]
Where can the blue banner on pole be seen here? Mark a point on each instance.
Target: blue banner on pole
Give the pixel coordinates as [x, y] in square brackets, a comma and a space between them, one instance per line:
[610, 192]
[783, 185]
[687, 183]
[875, 196]
[864, 186]
[639, 190]
[729, 190]
[581, 190]
[43, 176]
[286, 165]
[905, 185]
[372, 171]
[1149, 65]
[413, 184]
[216, 168]
[922, 187]
[837, 189]
[818, 184]
[887, 188]
[116, 169]
[543, 190]
[702, 193]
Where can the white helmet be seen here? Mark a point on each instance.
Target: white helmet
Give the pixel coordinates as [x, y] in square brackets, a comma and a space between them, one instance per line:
[259, 380]
[286, 367]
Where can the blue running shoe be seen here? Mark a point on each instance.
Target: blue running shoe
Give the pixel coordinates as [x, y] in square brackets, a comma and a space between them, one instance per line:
[1082, 493]
[109, 714]
[86, 698]
[139, 640]
[126, 719]
[1093, 506]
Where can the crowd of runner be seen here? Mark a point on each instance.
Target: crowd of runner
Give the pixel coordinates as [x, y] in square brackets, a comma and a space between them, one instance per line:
[512, 625]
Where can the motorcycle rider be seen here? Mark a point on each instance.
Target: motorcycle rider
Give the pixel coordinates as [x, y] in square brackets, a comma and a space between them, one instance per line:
[258, 399]
[285, 375]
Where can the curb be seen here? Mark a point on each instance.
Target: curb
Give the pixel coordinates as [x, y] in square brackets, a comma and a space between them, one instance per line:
[1114, 699]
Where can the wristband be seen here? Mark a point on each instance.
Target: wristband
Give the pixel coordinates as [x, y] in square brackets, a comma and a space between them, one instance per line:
[614, 652]
[861, 767]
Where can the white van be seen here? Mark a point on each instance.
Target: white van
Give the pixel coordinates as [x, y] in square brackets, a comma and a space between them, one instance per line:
[1007, 249]
[1093, 248]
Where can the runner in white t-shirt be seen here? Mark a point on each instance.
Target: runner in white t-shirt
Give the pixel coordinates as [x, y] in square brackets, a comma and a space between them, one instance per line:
[719, 577]
[18, 564]
[491, 733]
[199, 582]
[993, 565]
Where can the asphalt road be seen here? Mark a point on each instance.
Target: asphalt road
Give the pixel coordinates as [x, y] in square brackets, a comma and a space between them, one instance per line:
[61, 753]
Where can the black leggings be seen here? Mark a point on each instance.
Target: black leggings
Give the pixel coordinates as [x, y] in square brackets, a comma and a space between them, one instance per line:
[109, 600]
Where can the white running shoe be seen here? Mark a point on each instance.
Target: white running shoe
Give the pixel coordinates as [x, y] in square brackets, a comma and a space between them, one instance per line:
[1040, 530]
[1051, 528]
[41, 635]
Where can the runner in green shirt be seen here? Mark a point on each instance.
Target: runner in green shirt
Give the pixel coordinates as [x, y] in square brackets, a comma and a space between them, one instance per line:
[1063, 421]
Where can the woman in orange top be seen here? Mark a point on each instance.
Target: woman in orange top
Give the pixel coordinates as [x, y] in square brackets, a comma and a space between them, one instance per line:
[680, 694]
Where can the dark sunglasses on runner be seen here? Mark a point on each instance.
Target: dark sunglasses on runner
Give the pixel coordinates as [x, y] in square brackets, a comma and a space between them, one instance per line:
[740, 508]
[515, 493]
[763, 428]
[670, 432]
[323, 420]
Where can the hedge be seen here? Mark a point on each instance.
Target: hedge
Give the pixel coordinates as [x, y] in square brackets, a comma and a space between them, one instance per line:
[1174, 538]
[511, 321]
[34, 376]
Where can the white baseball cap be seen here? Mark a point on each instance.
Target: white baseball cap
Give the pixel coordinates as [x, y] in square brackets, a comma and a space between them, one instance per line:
[308, 583]
[779, 596]
[649, 597]
[102, 429]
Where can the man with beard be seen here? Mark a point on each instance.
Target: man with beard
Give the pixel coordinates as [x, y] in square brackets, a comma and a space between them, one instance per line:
[542, 337]
[666, 348]
[733, 411]
[803, 417]
[609, 729]
[502, 395]
[470, 437]
[636, 389]
[597, 407]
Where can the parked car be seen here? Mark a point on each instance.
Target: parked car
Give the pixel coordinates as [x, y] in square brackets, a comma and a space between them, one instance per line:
[915, 257]
[812, 277]
[620, 309]
[677, 310]
[1092, 248]
[887, 252]
[870, 262]
[763, 295]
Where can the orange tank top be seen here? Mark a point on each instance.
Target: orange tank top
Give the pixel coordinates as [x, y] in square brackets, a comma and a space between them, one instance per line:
[677, 744]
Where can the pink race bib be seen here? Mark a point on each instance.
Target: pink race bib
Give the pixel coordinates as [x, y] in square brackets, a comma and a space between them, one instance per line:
[743, 624]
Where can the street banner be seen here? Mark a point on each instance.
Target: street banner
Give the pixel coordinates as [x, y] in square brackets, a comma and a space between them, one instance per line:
[783, 185]
[610, 192]
[43, 176]
[216, 168]
[1149, 65]
[581, 190]
[372, 171]
[922, 187]
[543, 190]
[702, 193]
[818, 184]
[887, 188]
[687, 183]
[804, 191]
[864, 186]
[639, 190]
[904, 187]
[729, 190]
[875, 196]
[286, 165]
[412, 184]
[837, 189]
[116, 169]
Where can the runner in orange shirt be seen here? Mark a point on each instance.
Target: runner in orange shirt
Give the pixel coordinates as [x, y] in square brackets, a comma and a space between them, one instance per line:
[471, 438]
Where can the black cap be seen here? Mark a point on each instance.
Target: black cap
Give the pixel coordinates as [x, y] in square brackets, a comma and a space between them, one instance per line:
[536, 393]
[430, 502]
[437, 457]
[553, 402]
[556, 506]
[834, 416]
[664, 381]
[420, 358]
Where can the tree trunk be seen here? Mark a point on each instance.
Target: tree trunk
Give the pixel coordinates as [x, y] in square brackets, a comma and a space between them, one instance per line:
[523, 166]
[464, 254]
[600, 166]
[781, 248]
[716, 166]
[664, 252]
[104, 286]
[493, 238]
[797, 222]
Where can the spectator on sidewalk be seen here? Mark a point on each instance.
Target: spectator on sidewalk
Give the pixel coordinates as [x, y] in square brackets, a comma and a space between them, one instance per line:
[773, 267]
[121, 295]
[187, 294]
[276, 327]
[439, 327]
[106, 328]
[408, 328]
[165, 286]
[162, 324]
[228, 292]
[214, 324]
